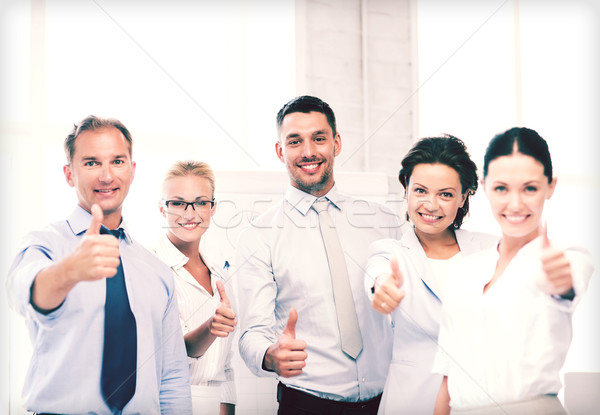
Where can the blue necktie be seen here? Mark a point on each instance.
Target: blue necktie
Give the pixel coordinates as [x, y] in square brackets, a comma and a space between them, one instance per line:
[120, 341]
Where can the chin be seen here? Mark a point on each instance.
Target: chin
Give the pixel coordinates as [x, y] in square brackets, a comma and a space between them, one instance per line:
[518, 232]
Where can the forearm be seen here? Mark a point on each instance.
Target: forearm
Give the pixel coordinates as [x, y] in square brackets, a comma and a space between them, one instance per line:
[268, 362]
[199, 340]
[227, 409]
[175, 396]
[50, 287]
[442, 402]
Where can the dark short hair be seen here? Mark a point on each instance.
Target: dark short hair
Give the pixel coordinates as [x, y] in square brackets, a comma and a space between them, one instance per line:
[447, 150]
[92, 123]
[306, 104]
[528, 142]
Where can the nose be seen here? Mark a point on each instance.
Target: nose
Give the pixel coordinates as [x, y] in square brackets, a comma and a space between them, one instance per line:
[514, 201]
[308, 149]
[189, 213]
[106, 175]
[429, 202]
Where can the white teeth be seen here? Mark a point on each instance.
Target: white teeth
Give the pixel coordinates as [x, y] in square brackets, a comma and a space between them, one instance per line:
[430, 217]
[189, 225]
[515, 218]
[310, 166]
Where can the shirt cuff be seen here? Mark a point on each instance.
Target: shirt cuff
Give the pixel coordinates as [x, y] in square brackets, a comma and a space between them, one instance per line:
[228, 393]
[22, 283]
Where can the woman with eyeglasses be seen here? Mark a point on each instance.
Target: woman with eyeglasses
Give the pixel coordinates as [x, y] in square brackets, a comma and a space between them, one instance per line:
[203, 285]
[506, 325]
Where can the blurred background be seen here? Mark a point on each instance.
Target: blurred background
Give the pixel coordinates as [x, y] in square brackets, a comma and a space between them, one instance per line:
[204, 80]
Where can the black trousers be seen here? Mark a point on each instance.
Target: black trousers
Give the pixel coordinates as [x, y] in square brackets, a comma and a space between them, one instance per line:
[295, 402]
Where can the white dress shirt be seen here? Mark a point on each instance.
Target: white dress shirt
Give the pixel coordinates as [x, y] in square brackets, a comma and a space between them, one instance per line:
[282, 264]
[411, 388]
[510, 343]
[196, 305]
[65, 369]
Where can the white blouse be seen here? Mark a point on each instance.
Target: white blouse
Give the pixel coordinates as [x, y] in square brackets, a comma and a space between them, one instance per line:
[439, 268]
[196, 306]
[511, 342]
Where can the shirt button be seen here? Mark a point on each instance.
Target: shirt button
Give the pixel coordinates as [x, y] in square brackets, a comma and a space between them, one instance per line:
[364, 379]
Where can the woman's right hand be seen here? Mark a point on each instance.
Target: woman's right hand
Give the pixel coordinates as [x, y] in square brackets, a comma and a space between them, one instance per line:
[388, 292]
[224, 320]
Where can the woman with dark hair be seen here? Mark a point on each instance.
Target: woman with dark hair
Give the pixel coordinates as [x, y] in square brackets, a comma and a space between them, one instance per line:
[438, 177]
[506, 325]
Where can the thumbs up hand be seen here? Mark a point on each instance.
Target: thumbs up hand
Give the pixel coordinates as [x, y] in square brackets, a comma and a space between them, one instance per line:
[556, 268]
[287, 356]
[224, 321]
[388, 293]
[97, 256]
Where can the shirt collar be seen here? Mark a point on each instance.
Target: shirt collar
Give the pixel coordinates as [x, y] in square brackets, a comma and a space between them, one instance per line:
[175, 259]
[169, 254]
[303, 201]
[80, 220]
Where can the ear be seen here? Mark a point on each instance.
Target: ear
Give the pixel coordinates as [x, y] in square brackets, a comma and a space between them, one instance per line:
[464, 199]
[161, 208]
[551, 188]
[482, 185]
[133, 165]
[337, 144]
[68, 175]
[214, 209]
[279, 151]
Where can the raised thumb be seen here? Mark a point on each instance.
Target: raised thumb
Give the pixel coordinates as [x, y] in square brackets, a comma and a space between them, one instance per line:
[545, 240]
[290, 328]
[222, 293]
[97, 218]
[396, 271]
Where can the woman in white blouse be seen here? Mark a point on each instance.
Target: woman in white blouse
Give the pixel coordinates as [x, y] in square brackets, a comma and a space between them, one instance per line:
[203, 286]
[506, 325]
[438, 177]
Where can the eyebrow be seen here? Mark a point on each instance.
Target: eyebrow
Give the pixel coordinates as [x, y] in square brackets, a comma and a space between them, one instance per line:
[119, 156]
[441, 190]
[295, 135]
[199, 198]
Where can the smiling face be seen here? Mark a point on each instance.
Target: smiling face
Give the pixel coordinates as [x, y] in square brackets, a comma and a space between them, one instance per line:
[187, 226]
[308, 148]
[517, 190]
[434, 194]
[101, 172]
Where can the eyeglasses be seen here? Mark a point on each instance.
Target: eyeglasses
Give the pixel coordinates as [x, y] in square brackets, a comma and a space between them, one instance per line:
[181, 206]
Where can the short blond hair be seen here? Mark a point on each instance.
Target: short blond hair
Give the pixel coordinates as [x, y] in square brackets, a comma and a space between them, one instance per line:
[192, 168]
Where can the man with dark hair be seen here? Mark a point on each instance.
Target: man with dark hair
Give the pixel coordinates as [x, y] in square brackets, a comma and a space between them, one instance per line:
[100, 308]
[305, 317]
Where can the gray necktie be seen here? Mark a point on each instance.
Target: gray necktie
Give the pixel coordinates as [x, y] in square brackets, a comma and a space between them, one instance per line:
[342, 294]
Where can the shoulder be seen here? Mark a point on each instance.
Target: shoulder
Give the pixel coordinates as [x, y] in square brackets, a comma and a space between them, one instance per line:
[147, 260]
[364, 213]
[363, 204]
[471, 242]
[52, 236]
[381, 246]
[268, 217]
